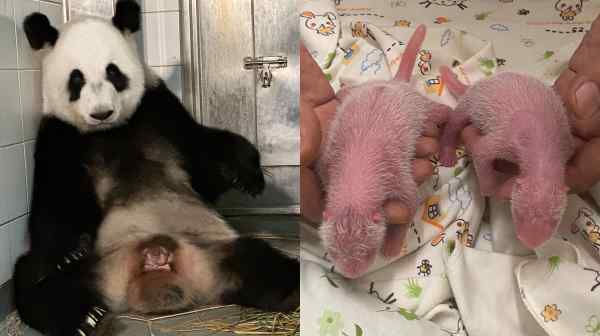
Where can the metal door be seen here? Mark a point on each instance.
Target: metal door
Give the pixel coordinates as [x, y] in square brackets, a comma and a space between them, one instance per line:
[216, 37]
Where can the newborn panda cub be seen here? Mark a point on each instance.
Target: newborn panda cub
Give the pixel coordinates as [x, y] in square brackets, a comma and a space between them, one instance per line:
[124, 183]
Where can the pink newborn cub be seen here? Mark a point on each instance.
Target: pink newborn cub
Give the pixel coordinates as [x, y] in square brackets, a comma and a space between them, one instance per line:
[525, 123]
[366, 161]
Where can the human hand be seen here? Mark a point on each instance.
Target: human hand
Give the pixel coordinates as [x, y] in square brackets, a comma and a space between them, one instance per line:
[578, 85]
[318, 104]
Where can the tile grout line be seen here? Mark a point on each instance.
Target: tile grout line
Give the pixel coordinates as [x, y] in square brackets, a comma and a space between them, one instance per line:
[12, 220]
[49, 2]
[167, 66]
[20, 69]
[14, 19]
[162, 11]
[21, 110]
[27, 182]
[162, 34]
[14, 144]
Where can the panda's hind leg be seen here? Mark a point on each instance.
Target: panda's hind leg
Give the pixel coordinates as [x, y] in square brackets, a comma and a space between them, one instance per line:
[267, 279]
[56, 303]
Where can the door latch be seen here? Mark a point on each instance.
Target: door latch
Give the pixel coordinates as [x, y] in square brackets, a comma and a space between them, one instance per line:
[264, 65]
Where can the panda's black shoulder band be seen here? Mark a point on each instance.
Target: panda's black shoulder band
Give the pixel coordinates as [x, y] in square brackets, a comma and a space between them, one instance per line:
[127, 16]
[39, 31]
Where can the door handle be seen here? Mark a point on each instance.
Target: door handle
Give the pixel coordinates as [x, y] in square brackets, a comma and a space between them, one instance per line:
[264, 65]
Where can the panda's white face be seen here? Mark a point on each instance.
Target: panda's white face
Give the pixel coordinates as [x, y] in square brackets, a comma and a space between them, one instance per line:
[92, 77]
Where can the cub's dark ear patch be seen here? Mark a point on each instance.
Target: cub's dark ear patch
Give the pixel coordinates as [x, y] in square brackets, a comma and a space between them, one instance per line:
[127, 16]
[39, 31]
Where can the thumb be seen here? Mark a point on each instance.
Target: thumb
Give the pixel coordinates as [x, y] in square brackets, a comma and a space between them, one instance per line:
[585, 96]
[581, 96]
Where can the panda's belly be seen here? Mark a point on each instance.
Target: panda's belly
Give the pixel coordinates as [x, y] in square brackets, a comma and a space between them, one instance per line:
[189, 273]
[167, 213]
[159, 245]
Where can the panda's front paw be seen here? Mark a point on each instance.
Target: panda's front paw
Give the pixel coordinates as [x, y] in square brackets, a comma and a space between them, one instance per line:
[243, 168]
[252, 183]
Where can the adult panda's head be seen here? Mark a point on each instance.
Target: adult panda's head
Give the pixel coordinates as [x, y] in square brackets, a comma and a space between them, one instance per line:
[92, 75]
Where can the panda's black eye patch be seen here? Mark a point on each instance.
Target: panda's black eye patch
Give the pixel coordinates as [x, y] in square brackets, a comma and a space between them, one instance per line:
[76, 83]
[116, 77]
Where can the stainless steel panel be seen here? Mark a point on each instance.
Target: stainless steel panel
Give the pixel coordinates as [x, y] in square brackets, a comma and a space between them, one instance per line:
[227, 90]
[216, 36]
[277, 118]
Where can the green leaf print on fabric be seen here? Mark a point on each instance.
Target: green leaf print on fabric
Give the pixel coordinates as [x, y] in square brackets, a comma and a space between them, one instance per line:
[450, 246]
[482, 16]
[413, 289]
[330, 323]
[407, 314]
[553, 263]
[487, 66]
[592, 328]
[548, 54]
[358, 330]
[328, 76]
[458, 170]
[329, 59]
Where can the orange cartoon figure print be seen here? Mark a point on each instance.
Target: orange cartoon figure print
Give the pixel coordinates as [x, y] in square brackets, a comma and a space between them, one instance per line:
[424, 62]
[568, 8]
[322, 24]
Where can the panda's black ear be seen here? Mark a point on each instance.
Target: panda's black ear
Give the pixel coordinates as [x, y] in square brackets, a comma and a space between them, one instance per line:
[127, 16]
[39, 31]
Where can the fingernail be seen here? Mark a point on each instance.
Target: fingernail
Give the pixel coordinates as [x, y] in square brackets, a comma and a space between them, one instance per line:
[587, 99]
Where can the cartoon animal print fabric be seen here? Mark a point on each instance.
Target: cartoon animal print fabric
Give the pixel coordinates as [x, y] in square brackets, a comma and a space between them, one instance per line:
[322, 24]
[440, 283]
[569, 8]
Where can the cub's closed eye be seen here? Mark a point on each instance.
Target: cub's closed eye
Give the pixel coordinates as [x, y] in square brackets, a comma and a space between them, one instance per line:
[114, 75]
[76, 83]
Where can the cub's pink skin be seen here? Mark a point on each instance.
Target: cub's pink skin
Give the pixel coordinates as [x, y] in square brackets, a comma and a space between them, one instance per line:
[366, 161]
[523, 122]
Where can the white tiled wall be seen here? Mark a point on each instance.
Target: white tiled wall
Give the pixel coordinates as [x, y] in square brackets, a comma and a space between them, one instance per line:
[161, 41]
[20, 103]
[20, 112]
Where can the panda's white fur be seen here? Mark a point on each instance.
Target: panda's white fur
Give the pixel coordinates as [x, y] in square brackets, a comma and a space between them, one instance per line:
[98, 94]
[144, 178]
[124, 228]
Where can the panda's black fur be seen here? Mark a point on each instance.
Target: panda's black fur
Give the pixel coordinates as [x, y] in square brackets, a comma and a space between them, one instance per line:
[56, 288]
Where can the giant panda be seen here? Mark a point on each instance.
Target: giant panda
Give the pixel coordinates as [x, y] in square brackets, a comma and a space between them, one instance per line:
[124, 185]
